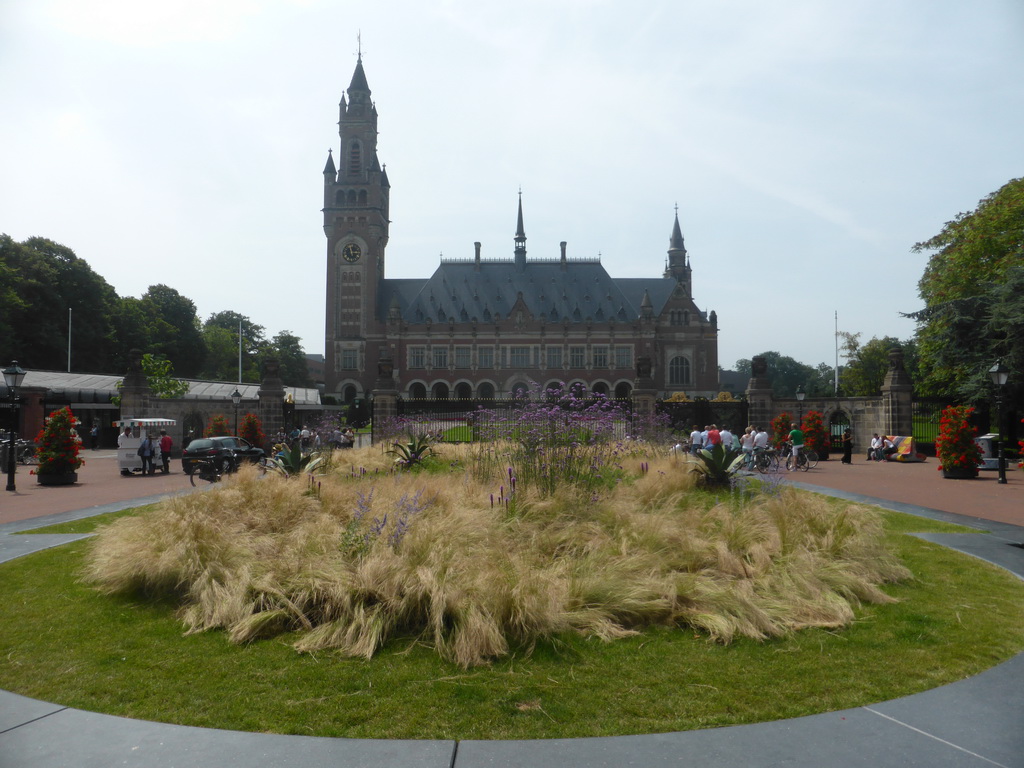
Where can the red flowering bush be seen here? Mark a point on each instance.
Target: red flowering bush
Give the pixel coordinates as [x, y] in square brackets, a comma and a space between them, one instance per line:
[1020, 464]
[57, 445]
[815, 437]
[781, 426]
[252, 430]
[218, 427]
[955, 444]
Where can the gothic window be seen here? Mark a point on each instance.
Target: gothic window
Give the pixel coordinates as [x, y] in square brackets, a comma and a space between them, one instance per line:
[486, 391]
[417, 391]
[351, 197]
[600, 356]
[439, 357]
[485, 357]
[362, 197]
[439, 391]
[339, 198]
[349, 359]
[463, 391]
[577, 357]
[349, 393]
[355, 159]
[462, 357]
[678, 371]
[623, 391]
[600, 388]
[519, 357]
[686, 317]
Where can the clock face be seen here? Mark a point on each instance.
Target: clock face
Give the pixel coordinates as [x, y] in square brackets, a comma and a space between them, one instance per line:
[351, 253]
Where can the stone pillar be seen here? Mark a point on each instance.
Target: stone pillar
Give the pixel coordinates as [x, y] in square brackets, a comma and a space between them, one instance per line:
[385, 395]
[645, 396]
[760, 401]
[271, 399]
[897, 397]
[136, 396]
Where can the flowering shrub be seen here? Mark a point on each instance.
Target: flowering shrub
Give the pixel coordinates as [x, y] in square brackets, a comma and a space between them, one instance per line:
[814, 433]
[58, 445]
[1020, 464]
[780, 428]
[955, 444]
[252, 430]
[218, 427]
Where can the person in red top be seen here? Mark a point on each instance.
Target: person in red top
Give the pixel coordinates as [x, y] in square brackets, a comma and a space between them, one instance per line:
[714, 436]
[165, 450]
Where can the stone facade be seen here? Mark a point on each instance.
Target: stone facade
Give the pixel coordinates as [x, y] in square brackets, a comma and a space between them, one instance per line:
[480, 328]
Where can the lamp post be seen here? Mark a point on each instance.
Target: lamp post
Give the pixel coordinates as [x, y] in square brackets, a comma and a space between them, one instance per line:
[236, 398]
[13, 376]
[800, 395]
[999, 375]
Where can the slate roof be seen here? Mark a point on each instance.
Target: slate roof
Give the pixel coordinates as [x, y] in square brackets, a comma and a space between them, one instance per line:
[577, 290]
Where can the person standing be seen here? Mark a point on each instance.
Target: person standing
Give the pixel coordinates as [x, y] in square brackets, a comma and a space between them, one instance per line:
[696, 440]
[796, 439]
[94, 436]
[165, 450]
[847, 447]
[147, 448]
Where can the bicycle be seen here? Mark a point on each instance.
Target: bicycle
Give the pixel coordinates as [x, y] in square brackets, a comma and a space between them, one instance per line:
[208, 470]
[25, 452]
[802, 460]
[766, 460]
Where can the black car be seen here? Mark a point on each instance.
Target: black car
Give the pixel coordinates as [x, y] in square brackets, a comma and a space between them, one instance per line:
[226, 452]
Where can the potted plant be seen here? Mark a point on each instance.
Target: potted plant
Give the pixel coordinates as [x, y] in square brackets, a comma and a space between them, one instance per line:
[815, 438]
[959, 456]
[57, 446]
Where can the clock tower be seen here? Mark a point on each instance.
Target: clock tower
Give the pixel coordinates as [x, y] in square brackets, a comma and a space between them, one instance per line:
[356, 225]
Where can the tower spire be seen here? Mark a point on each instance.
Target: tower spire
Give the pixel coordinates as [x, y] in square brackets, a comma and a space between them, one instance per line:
[520, 236]
[678, 266]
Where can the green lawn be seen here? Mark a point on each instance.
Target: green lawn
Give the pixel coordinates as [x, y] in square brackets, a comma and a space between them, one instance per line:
[65, 643]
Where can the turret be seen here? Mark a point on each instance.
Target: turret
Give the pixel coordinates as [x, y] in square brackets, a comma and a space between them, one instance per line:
[520, 237]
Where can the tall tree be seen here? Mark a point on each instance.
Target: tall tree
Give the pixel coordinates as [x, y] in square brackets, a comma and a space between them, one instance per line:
[288, 349]
[867, 364]
[173, 328]
[968, 321]
[786, 374]
[221, 333]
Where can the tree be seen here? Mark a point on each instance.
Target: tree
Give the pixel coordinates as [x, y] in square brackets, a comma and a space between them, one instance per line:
[968, 321]
[173, 329]
[786, 374]
[288, 349]
[42, 280]
[867, 365]
[221, 334]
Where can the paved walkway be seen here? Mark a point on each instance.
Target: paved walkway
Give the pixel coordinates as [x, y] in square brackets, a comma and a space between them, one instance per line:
[974, 722]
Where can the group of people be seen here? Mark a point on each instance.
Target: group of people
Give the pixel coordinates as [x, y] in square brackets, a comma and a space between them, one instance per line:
[309, 439]
[151, 450]
[881, 448]
[752, 440]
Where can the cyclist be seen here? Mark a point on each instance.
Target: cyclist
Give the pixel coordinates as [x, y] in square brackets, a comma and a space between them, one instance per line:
[796, 439]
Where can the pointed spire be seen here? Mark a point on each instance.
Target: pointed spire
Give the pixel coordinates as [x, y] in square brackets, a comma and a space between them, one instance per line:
[645, 302]
[329, 169]
[676, 241]
[520, 237]
[358, 78]
[520, 234]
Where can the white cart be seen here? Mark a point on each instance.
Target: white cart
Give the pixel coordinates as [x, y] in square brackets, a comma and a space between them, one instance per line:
[128, 459]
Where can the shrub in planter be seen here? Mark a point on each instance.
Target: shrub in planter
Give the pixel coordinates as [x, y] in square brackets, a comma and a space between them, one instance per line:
[815, 437]
[57, 445]
[781, 428]
[252, 430]
[218, 427]
[955, 446]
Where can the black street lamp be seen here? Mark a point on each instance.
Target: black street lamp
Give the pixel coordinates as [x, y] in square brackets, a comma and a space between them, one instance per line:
[800, 395]
[236, 398]
[999, 375]
[13, 376]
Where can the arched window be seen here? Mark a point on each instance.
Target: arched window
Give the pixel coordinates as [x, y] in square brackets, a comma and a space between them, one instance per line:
[355, 159]
[439, 391]
[686, 317]
[339, 198]
[678, 371]
[463, 391]
[351, 197]
[486, 391]
[600, 388]
[623, 391]
[417, 391]
[362, 197]
[520, 390]
[349, 393]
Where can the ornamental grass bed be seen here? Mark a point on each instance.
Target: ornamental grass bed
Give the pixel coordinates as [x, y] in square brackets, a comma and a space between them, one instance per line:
[461, 556]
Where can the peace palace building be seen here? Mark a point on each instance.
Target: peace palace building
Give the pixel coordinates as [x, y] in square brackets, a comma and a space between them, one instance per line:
[485, 328]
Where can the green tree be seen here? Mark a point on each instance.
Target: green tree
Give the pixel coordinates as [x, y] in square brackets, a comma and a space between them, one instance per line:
[42, 280]
[968, 286]
[173, 329]
[288, 349]
[786, 374]
[220, 332]
[866, 366]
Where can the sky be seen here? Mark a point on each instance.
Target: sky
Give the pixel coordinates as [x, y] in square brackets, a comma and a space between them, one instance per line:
[807, 145]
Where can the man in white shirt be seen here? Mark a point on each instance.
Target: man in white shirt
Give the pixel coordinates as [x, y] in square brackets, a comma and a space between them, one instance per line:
[760, 439]
[875, 449]
[727, 440]
[696, 441]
